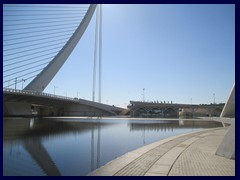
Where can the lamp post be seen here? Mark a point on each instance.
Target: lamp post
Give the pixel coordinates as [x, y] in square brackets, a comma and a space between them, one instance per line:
[143, 95]
[213, 98]
[17, 81]
[192, 108]
[23, 80]
[77, 94]
[54, 89]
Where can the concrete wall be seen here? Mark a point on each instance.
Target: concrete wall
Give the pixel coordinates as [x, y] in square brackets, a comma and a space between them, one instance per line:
[24, 109]
[229, 108]
[16, 109]
[227, 146]
[83, 110]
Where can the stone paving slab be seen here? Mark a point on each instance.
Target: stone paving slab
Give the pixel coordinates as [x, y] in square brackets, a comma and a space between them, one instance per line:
[165, 163]
[200, 159]
[151, 160]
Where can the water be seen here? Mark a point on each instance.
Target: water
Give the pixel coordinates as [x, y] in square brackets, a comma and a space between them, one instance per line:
[72, 147]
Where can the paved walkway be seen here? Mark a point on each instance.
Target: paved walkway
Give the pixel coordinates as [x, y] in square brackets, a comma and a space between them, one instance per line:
[191, 154]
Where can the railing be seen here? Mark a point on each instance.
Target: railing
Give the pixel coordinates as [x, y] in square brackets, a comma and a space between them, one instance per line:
[35, 93]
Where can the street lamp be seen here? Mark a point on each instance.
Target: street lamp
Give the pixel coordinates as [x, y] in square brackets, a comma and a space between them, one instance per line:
[23, 80]
[192, 108]
[54, 89]
[77, 94]
[17, 81]
[213, 98]
[143, 95]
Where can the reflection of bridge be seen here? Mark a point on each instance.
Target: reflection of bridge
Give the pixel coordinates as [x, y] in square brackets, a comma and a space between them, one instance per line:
[40, 155]
[31, 132]
[165, 110]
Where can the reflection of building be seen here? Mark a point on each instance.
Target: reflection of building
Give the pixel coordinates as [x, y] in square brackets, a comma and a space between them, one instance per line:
[173, 124]
[170, 110]
[166, 126]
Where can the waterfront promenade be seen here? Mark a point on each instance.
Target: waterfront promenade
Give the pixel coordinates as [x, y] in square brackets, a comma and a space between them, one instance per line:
[191, 154]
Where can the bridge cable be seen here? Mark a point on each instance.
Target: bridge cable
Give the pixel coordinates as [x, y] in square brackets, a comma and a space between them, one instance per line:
[35, 27]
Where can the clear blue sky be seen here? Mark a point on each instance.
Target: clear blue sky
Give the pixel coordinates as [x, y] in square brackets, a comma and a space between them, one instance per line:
[175, 52]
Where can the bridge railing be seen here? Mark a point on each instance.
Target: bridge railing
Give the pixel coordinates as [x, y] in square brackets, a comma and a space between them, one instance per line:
[35, 93]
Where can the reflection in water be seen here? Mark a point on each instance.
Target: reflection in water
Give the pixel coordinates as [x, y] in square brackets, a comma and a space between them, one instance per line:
[41, 156]
[98, 146]
[144, 135]
[32, 145]
[181, 122]
[31, 123]
[172, 124]
[69, 147]
[92, 148]
[154, 126]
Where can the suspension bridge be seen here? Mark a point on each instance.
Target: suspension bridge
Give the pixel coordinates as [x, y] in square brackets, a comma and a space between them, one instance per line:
[37, 41]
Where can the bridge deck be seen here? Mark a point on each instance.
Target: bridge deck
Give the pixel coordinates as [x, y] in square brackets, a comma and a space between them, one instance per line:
[55, 101]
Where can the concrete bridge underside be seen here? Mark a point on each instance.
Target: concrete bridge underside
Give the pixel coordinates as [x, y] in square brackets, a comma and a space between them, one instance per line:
[20, 104]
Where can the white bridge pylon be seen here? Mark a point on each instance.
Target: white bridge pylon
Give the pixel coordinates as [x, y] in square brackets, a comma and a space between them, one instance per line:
[98, 50]
[43, 79]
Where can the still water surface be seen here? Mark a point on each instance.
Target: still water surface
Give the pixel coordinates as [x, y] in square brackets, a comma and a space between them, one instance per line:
[71, 147]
